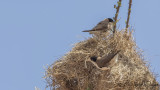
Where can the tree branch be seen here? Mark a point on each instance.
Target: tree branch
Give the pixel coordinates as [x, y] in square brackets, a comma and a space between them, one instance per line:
[129, 12]
[116, 15]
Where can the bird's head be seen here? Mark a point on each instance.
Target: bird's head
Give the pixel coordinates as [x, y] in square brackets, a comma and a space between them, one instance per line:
[110, 19]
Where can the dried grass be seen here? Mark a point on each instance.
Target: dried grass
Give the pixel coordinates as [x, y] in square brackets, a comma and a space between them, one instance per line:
[75, 71]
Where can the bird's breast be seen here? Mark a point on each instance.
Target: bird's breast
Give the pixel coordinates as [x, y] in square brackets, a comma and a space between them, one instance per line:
[110, 26]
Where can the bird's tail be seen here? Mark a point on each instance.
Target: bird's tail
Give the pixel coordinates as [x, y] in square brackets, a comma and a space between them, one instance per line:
[88, 30]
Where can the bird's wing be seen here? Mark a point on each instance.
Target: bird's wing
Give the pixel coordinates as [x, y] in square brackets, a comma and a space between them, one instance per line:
[101, 25]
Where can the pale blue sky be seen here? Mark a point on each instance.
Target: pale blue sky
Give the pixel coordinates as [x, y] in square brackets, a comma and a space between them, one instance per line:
[34, 33]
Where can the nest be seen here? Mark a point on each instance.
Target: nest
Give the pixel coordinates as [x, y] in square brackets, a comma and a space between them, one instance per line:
[79, 70]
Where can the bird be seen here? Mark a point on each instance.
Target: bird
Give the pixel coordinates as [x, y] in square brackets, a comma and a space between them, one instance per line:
[105, 25]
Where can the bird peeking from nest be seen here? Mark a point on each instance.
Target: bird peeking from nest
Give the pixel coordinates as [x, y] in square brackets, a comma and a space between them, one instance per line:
[103, 26]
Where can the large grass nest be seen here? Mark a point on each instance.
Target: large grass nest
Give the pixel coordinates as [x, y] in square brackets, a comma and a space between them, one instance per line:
[77, 71]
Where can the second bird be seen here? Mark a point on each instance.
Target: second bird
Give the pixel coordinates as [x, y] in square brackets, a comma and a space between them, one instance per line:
[105, 25]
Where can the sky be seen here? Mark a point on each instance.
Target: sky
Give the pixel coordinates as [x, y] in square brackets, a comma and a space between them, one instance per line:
[35, 33]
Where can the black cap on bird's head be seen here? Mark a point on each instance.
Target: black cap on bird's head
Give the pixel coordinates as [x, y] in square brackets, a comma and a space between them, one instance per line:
[110, 19]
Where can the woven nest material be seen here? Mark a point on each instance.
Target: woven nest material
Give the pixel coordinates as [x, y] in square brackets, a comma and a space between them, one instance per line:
[77, 71]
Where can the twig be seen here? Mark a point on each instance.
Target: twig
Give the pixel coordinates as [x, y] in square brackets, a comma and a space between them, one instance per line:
[116, 15]
[129, 12]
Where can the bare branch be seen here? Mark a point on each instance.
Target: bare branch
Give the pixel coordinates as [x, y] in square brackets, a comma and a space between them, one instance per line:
[116, 15]
[129, 12]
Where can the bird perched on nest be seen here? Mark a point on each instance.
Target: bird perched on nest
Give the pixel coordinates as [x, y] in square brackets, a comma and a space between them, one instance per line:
[103, 26]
